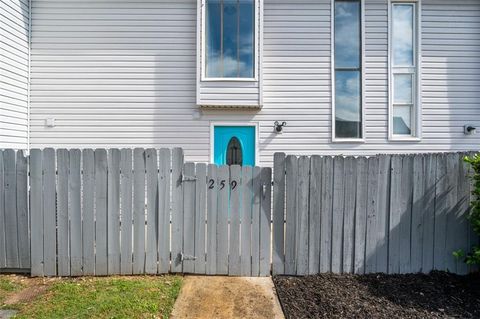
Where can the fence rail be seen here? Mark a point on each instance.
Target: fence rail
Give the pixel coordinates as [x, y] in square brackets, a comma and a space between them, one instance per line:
[387, 213]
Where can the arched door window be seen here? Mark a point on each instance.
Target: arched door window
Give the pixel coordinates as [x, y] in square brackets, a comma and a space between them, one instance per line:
[234, 152]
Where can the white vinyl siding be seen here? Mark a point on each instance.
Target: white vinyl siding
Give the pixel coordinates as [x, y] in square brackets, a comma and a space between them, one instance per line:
[14, 21]
[123, 74]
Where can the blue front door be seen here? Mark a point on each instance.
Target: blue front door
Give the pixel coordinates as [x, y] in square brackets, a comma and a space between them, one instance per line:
[234, 145]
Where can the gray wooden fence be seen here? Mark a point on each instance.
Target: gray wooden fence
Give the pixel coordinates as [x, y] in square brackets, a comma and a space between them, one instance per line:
[14, 235]
[391, 214]
[107, 212]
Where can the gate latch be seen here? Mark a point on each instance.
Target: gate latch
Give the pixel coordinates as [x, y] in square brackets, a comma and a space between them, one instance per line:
[188, 178]
[186, 257]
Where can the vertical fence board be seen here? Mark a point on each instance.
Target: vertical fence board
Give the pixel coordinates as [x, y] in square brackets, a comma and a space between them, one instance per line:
[212, 196]
[101, 253]
[113, 212]
[382, 213]
[301, 245]
[429, 212]
[152, 211]
[463, 209]
[2, 215]
[36, 212]
[395, 215]
[49, 214]
[164, 211]
[88, 229]
[350, 177]
[337, 217]
[265, 220]
[417, 212]
[222, 220]
[11, 235]
[126, 222]
[326, 215]
[441, 192]
[361, 215]
[22, 211]
[189, 218]
[372, 215]
[278, 214]
[200, 217]
[234, 240]
[74, 185]
[62, 213]
[453, 228]
[314, 215]
[406, 210]
[257, 185]
[291, 163]
[177, 210]
[246, 221]
[138, 211]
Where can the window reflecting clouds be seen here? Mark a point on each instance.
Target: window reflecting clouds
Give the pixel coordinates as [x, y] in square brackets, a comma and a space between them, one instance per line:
[347, 34]
[347, 104]
[403, 41]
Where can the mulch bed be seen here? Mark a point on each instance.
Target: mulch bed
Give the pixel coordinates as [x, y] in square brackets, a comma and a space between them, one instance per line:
[437, 295]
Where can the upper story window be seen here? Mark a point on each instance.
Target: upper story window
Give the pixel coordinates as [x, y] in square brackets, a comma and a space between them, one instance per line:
[229, 39]
[404, 111]
[347, 70]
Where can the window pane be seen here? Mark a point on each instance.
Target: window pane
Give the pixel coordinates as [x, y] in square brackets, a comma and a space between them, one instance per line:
[402, 123]
[247, 43]
[230, 39]
[348, 116]
[213, 39]
[403, 88]
[403, 43]
[347, 34]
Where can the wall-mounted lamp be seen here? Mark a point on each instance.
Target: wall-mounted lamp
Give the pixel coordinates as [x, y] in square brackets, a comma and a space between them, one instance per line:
[278, 127]
[469, 129]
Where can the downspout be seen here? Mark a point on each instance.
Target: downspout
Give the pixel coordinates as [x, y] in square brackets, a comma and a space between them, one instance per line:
[29, 71]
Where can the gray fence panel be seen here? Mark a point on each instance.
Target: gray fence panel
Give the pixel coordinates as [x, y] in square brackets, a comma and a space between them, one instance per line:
[406, 213]
[291, 164]
[337, 220]
[265, 220]
[189, 218]
[75, 194]
[212, 196]
[164, 211]
[234, 213]
[302, 206]
[152, 211]
[314, 217]
[463, 190]
[417, 212]
[441, 192]
[101, 253]
[278, 215]
[126, 222]
[138, 211]
[246, 221]
[177, 210]
[383, 200]
[36, 212]
[453, 211]
[22, 211]
[200, 217]
[257, 184]
[222, 220]
[326, 215]
[2, 213]
[88, 213]
[429, 212]
[63, 239]
[361, 215]
[49, 214]
[11, 229]
[113, 212]
[372, 216]
[349, 215]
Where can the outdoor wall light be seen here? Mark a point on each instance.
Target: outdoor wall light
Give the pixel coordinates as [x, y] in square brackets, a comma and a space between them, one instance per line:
[469, 129]
[278, 127]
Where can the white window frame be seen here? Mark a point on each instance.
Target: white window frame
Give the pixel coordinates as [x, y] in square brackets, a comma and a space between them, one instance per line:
[362, 74]
[204, 77]
[415, 71]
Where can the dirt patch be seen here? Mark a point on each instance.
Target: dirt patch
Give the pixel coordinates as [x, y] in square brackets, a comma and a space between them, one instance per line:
[227, 297]
[438, 295]
[30, 289]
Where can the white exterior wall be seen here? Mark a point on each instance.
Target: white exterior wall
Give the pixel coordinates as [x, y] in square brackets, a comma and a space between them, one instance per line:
[14, 20]
[123, 74]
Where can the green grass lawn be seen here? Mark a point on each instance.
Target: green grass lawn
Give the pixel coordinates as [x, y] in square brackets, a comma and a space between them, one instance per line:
[104, 297]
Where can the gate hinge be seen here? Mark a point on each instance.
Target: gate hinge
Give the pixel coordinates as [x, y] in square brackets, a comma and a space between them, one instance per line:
[186, 257]
[188, 178]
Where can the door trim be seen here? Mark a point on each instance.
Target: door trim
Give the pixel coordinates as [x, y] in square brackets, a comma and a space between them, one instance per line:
[212, 137]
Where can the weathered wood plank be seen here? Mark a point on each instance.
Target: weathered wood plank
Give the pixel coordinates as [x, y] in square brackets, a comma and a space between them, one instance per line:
[337, 217]
[350, 177]
[152, 211]
[441, 193]
[246, 220]
[256, 189]
[222, 220]
[49, 213]
[200, 217]
[113, 212]
[326, 215]
[101, 253]
[36, 212]
[291, 163]
[189, 218]
[212, 196]
[382, 213]
[62, 213]
[453, 229]
[2, 218]
[22, 211]
[278, 215]
[138, 211]
[406, 219]
[164, 211]
[11, 226]
[361, 215]
[88, 226]
[234, 240]
[372, 215]
[75, 194]
[417, 212]
[126, 222]
[265, 220]
[463, 197]
[395, 215]
[429, 212]
[302, 205]
[314, 215]
[177, 209]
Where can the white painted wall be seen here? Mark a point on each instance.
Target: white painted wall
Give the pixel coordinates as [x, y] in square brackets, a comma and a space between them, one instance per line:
[14, 21]
[123, 74]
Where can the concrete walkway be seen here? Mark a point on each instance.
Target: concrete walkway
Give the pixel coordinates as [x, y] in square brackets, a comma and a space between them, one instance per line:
[227, 297]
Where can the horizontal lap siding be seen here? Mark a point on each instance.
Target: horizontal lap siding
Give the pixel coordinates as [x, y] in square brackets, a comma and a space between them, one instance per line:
[13, 73]
[128, 77]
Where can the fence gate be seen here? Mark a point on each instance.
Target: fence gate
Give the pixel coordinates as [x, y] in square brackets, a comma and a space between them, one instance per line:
[107, 212]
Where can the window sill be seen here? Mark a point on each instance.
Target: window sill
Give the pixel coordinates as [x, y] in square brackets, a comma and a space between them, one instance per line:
[229, 80]
[348, 140]
[405, 139]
